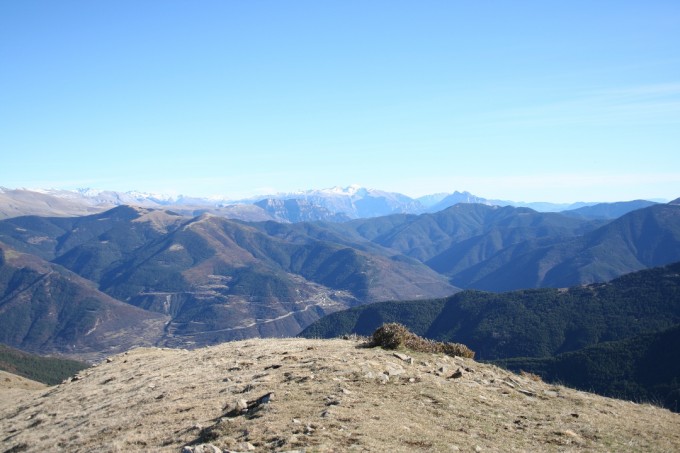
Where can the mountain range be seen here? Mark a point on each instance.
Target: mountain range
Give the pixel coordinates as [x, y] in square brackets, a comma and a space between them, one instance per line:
[87, 282]
[334, 204]
[183, 281]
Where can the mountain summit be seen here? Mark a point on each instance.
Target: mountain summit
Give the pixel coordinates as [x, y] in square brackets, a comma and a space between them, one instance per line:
[320, 395]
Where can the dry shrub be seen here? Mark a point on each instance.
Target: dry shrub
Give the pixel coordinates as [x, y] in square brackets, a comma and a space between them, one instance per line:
[394, 336]
[532, 376]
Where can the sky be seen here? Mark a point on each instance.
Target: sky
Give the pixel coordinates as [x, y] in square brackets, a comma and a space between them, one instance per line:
[517, 100]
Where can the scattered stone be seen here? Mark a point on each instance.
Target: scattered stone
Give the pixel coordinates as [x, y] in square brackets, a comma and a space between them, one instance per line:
[394, 370]
[243, 407]
[109, 360]
[346, 392]
[246, 389]
[245, 446]
[457, 374]
[383, 378]
[403, 357]
[296, 421]
[202, 448]
[332, 401]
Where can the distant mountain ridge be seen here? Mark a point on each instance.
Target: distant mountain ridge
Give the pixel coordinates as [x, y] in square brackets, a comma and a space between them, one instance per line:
[218, 279]
[331, 204]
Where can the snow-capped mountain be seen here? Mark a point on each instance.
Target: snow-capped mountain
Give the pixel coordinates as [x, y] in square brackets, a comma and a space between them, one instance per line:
[354, 201]
[333, 203]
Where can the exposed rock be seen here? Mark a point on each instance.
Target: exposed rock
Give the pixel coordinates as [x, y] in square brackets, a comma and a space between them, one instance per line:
[245, 446]
[403, 357]
[202, 448]
[457, 374]
[243, 407]
[394, 370]
[289, 413]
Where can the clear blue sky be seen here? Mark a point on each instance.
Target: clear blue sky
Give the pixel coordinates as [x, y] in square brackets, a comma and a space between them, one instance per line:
[522, 100]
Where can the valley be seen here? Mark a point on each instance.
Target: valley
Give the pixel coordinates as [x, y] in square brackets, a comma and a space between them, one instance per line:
[511, 282]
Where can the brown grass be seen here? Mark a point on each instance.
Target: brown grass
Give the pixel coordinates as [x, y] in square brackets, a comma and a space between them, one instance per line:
[327, 396]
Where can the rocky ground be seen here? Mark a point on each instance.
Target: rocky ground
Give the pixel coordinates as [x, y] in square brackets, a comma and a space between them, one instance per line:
[319, 395]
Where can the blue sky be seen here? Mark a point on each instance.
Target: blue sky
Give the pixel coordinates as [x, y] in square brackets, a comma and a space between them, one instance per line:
[522, 100]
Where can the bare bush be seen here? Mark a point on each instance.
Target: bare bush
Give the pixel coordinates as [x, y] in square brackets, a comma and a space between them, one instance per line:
[395, 335]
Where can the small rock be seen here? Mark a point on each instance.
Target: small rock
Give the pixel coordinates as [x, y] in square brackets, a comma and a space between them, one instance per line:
[203, 448]
[332, 401]
[245, 446]
[242, 405]
[383, 378]
[457, 374]
[394, 370]
[346, 392]
[250, 407]
[296, 421]
[109, 360]
[403, 357]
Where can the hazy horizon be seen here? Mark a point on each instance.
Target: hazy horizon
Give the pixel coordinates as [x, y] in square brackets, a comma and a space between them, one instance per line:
[227, 197]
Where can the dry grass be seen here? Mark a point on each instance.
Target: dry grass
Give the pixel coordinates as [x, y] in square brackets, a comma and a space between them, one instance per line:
[328, 396]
